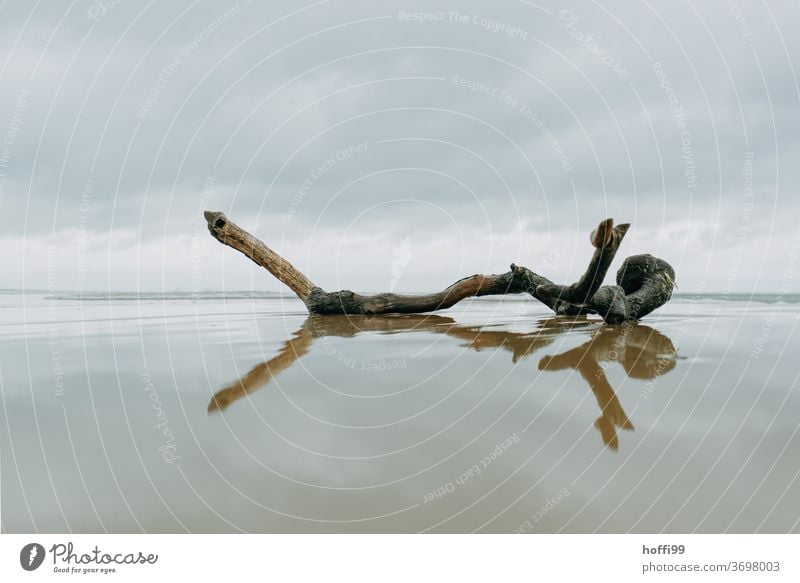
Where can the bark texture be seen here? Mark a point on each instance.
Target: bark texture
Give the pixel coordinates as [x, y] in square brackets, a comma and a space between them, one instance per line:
[231, 234]
[642, 284]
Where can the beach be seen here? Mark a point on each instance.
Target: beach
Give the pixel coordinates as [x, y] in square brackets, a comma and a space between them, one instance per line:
[171, 413]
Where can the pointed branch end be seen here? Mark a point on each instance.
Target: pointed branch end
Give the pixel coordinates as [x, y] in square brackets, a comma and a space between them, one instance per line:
[217, 404]
[607, 234]
[603, 234]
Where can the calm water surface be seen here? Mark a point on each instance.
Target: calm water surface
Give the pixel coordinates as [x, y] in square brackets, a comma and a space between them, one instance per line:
[168, 414]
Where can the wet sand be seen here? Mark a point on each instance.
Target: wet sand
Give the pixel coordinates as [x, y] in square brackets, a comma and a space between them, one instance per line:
[226, 415]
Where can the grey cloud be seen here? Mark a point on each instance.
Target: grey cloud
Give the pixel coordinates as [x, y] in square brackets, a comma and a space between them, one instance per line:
[148, 102]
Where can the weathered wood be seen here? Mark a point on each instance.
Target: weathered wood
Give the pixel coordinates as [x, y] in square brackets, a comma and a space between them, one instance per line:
[644, 283]
[517, 280]
[606, 240]
[229, 233]
[569, 300]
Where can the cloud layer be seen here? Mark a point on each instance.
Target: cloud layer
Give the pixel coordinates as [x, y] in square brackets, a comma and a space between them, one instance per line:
[353, 137]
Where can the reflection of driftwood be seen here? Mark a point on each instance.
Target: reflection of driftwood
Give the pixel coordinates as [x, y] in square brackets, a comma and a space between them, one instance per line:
[314, 327]
[584, 296]
[260, 375]
[643, 352]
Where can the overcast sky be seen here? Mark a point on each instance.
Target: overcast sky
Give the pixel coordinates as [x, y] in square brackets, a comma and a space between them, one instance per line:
[396, 145]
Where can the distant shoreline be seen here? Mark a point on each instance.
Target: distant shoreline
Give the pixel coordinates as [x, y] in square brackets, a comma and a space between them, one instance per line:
[775, 297]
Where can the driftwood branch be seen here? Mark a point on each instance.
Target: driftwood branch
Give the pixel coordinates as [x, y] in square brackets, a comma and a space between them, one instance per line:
[606, 240]
[571, 300]
[230, 234]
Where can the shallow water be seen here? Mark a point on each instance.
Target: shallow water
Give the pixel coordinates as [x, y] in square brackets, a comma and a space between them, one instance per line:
[168, 414]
